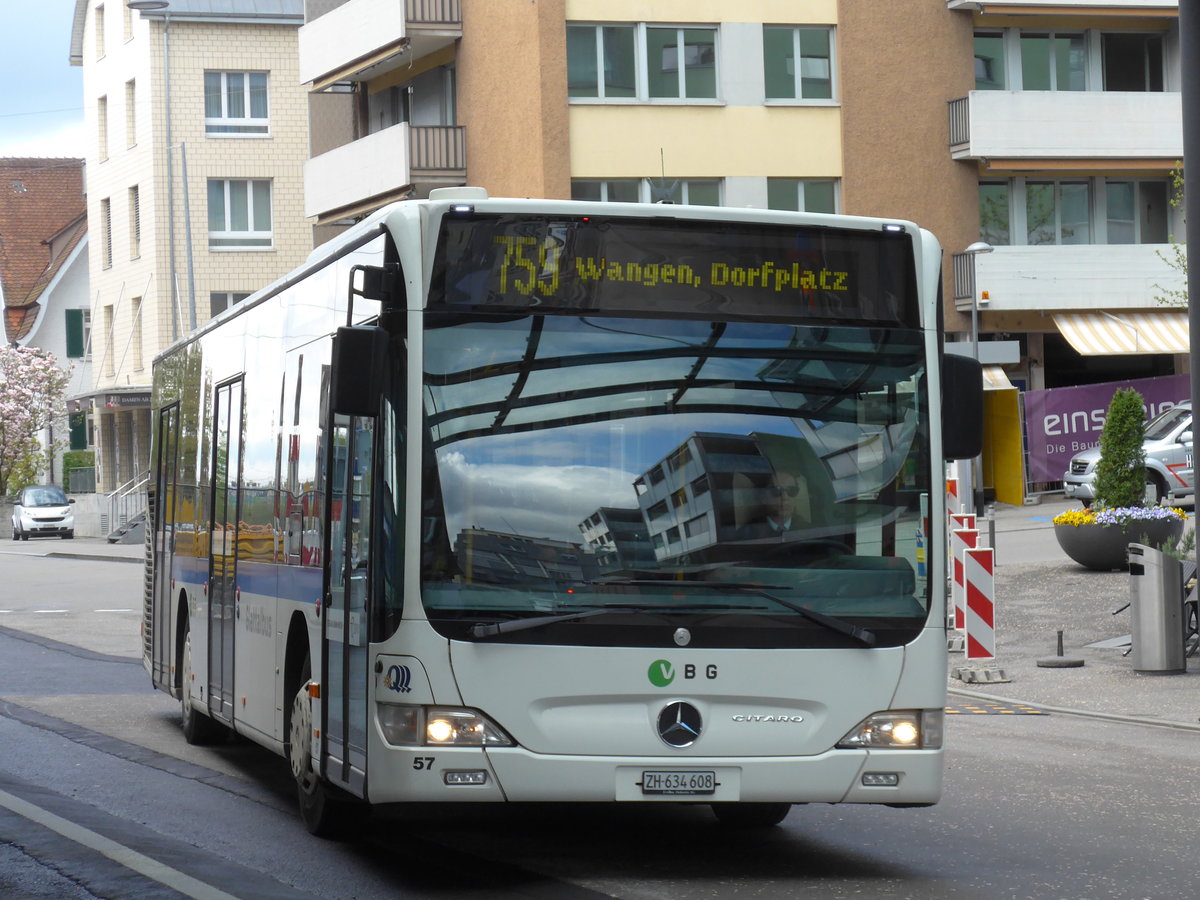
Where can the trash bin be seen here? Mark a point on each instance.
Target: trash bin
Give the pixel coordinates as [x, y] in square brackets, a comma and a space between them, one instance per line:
[1156, 604]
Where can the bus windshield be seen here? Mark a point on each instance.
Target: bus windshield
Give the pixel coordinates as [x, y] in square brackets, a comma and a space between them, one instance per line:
[722, 477]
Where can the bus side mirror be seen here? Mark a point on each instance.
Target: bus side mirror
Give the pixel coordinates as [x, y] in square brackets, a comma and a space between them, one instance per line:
[359, 366]
[962, 407]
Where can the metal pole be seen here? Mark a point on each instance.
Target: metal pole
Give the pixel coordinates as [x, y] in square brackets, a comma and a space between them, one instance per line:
[1189, 77]
[170, 176]
[187, 239]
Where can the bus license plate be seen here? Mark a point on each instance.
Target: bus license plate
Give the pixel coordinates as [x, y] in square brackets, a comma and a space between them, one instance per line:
[679, 782]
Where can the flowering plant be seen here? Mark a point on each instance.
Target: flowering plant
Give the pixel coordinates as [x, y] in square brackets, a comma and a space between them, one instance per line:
[1117, 515]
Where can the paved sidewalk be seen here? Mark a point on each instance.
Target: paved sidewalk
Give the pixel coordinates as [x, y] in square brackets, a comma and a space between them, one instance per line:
[1040, 591]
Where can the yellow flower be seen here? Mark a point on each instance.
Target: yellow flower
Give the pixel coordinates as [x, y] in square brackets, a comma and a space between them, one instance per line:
[1076, 517]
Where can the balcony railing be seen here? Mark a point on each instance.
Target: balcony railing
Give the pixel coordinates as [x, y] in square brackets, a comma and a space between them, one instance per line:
[443, 13]
[960, 121]
[438, 150]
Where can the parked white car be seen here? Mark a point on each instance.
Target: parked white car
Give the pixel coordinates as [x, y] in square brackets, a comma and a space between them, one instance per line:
[1168, 446]
[42, 510]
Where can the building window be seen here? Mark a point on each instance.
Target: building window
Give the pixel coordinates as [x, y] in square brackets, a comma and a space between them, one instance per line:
[239, 214]
[688, 192]
[1057, 212]
[812, 78]
[817, 195]
[219, 301]
[108, 338]
[102, 126]
[1082, 211]
[130, 113]
[135, 340]
[106, 253]
[1053, 62]
[994, 214]
[235, 104]
[989, 62]
[681, 63]
[135, 222]
[98, 20]
[642, 62]
[1136, 212]
[625, 190]
[1132, 62]
[79, 333]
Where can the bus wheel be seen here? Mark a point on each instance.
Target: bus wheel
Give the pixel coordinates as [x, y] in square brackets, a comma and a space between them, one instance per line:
[751, 815]
[198, 728]
[324, 814]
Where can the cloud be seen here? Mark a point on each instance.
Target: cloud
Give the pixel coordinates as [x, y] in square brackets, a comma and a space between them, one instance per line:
[69, 141]
[533, 500]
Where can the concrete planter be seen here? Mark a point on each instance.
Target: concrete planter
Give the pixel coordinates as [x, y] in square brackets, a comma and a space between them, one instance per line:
[1102, 547]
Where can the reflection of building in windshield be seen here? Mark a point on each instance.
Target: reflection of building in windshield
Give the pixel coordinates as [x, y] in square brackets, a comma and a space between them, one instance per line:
[497, 557]
[722, 489]
[619, 539]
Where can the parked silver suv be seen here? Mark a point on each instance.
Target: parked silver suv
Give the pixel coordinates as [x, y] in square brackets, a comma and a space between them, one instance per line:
[1168, 449]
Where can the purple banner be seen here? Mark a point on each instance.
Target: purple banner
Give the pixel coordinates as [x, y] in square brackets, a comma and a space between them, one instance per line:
[1062, 421]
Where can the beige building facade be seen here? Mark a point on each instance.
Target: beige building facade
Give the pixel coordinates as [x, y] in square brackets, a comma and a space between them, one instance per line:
[199, 132]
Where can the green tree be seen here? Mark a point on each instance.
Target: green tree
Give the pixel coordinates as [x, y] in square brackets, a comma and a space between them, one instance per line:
[1121, 472]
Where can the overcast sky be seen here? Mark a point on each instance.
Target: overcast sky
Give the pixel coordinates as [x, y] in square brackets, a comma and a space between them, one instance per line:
[41, 109]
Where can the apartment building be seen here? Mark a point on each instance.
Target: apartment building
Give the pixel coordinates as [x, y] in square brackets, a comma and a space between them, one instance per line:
[1048, 131]
[1073, 127]
[199, 132]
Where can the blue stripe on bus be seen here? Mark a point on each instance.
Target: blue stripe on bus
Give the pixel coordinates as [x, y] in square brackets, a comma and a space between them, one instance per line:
[298, 584]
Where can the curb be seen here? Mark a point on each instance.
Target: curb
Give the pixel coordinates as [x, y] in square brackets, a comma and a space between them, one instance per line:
[1084, 713]
[92, 557]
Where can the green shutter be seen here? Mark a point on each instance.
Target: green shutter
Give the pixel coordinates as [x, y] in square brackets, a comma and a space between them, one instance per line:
[78, 428]
[75, 346]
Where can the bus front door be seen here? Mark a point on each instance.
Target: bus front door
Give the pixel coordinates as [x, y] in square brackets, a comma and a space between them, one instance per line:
[223, 537]
[158, 613]
[344, 691]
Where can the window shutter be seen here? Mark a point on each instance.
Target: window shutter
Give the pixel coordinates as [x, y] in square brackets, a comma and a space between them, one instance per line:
[75, 348]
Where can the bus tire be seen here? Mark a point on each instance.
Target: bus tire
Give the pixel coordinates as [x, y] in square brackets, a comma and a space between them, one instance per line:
[198, 728]
[325, 814]
[751, 815]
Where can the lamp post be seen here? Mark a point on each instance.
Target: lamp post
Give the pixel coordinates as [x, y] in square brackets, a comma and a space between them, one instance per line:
[973, 251]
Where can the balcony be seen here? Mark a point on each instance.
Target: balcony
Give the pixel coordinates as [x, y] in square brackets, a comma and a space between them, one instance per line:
[364, 39]
[1056, 7]
[1007, 128]
[1066, 277]
[381, 167]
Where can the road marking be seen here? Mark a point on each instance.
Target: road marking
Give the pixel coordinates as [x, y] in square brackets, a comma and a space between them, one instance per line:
[119, 853]
[994, 709]
[50, 610]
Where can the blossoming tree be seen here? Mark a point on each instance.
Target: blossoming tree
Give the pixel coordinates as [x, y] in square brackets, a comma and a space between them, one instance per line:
[32, 392]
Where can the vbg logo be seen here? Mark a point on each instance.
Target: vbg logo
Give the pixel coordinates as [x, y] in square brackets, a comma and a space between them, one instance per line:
[398, 679]
[662, 672]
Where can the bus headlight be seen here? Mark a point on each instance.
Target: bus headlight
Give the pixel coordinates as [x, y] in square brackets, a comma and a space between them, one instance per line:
[912, 729]
[439, 726]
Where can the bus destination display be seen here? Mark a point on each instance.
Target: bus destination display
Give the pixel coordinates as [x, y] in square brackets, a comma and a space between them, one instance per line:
[620, 265]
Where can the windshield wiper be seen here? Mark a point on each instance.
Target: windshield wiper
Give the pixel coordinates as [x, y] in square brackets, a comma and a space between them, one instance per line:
[483, 629]
[833, 623]
[863, 635]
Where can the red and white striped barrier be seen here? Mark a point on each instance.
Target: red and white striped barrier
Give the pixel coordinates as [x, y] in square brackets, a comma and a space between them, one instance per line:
[979, 569]
[962, 520]
[961, 540]
[954, 503]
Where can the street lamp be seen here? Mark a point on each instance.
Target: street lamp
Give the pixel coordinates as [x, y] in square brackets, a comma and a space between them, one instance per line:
[973, 251]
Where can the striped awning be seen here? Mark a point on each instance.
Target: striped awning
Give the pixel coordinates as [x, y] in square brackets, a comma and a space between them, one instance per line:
[1099, 333]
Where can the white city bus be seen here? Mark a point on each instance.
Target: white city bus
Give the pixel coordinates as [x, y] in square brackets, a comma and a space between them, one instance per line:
[521, 500]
